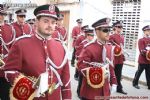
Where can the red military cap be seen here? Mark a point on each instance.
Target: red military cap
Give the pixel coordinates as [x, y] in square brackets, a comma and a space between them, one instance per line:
[147, 27]
[2, 10]
[89, 32]
[21, 12]
[101, 23]
[84, 27]
[117, 23]
[79, 20]
[31, 21]
[47, 10]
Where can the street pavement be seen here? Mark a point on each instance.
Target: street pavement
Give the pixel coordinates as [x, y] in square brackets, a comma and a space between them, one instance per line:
[133, 94]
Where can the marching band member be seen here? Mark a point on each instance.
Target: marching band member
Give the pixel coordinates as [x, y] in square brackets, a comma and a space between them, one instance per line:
[89, 35]
[32, 23]
[61, 32]
[95, 65]
[75, 32]
[144, 58]
[37, 65]
[20, 26]
[79, 39]
[7, 37]
[118, 40]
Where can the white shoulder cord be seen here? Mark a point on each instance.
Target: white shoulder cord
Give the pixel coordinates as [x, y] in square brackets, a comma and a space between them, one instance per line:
[63, 62]
[59, 36]
[13, 39]
[57, 75]
[4, 43]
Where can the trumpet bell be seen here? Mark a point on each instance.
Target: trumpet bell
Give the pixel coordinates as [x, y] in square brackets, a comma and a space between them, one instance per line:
[2, 63]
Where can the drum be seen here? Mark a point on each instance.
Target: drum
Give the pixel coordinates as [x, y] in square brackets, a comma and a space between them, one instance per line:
[95, 77]
[117, 50]
[22, 89]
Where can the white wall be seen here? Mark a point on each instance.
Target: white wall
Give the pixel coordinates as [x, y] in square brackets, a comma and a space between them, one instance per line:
[94, 10]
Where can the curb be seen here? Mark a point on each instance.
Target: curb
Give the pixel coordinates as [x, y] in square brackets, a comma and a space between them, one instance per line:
[131, 79]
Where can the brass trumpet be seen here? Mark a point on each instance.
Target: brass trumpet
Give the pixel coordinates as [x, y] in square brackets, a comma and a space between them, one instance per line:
[2, 63]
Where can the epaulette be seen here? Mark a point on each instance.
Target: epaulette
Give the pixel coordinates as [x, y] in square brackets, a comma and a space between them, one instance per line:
[23, 36]
[91, 42]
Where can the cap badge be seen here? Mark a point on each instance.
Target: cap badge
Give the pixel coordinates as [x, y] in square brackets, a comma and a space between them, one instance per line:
[52, 8]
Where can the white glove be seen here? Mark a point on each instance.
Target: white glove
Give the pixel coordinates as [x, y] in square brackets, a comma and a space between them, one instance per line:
[147, 48]
[113, 88]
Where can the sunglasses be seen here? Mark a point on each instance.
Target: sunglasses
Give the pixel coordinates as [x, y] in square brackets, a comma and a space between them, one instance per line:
[21, 16]
[105, 30]
[119, 26]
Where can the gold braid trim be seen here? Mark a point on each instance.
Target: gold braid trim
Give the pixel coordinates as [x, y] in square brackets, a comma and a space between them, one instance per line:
[93, 85]
[20, 76]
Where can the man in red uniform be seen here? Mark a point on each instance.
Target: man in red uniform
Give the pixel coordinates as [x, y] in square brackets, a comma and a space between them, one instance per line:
[39, 56]
[21, 27]
[61, 32]
[89, 35]
[75, 32]
[94, 64]
[144, 60]
[79, 39]
[118, 40]
[32, 23]
[7, 37]
[81, 36]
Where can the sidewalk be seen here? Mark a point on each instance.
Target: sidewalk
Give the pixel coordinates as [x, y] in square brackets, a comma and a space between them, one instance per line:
[128, 72]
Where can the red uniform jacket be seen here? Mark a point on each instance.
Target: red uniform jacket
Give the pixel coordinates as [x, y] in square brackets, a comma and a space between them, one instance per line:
[22, 29]
[79, 39]
[80, 47]
[28, 56]
[93, 53]
[143, 42]
[119, 39]
[60, 33]
[7, 38]
[75, 32]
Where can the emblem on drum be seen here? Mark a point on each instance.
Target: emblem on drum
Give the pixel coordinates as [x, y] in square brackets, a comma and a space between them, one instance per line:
[95, 77]
[117, 50]
[22, 89]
